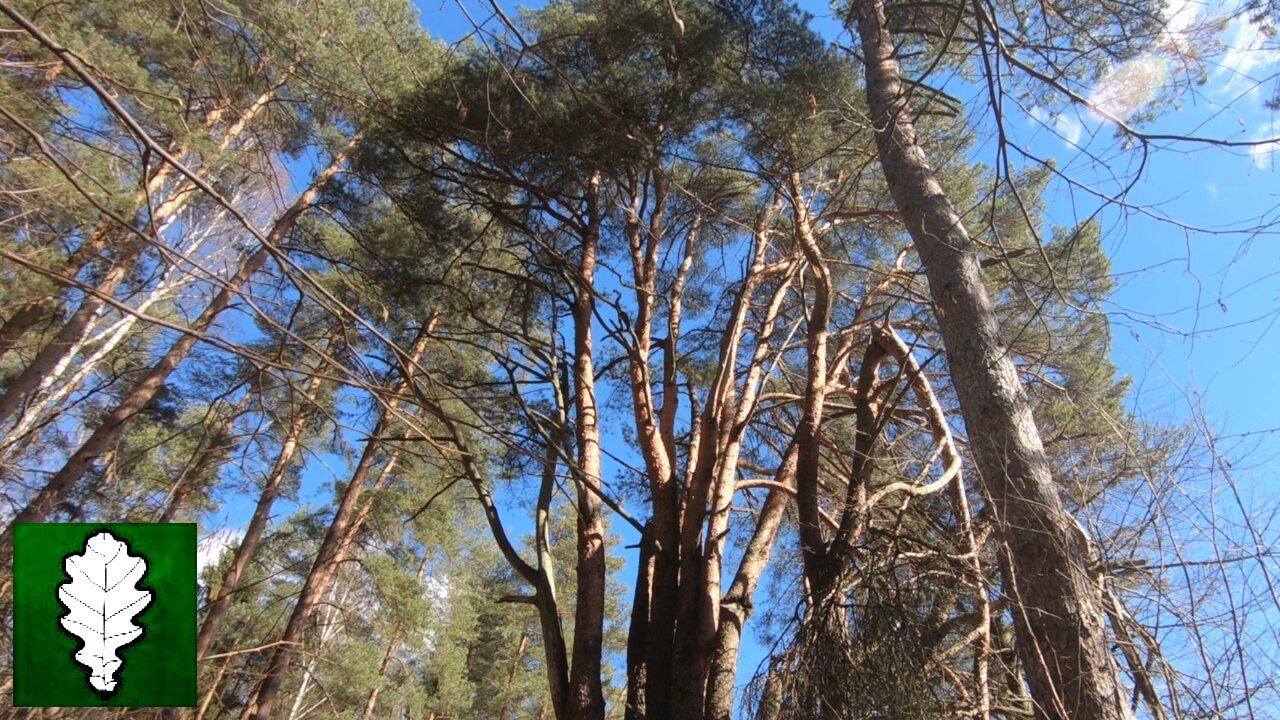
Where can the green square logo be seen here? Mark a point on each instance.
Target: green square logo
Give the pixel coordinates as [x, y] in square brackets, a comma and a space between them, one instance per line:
[104, 615]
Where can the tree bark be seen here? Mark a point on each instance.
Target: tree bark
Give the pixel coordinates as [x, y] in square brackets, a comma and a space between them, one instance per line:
[61, 482]
[657, 597]
[638, 633]
[1061, 632]
[69, 334]
[737, 604]
[345, 524]
[555, 653]
[712, 481]
[586, 695]
[258, 522]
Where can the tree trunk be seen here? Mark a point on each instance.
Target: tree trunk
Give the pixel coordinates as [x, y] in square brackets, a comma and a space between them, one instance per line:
[638, 632]
[1061, 631]
[111, 427]
[70, 334]
[555, 654]
[730, 406]
[258, 522]
[656, 604]
[738, 603]
[36, 310]
[586, 696]
[337, 539]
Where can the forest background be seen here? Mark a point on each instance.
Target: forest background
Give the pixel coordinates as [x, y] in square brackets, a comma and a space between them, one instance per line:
[304, 275]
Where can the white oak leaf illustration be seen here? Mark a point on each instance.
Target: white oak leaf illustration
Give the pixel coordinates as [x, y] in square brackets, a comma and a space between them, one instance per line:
[101, 600]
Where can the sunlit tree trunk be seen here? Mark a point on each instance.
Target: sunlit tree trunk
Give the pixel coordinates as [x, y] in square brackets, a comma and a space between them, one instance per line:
[738, 603]
[586, 696]
[1062, 637]
[62, 481]
[712, 480]
[342, 529]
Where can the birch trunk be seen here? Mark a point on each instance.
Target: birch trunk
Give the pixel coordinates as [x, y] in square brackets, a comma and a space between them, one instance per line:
[36, 310]
[61, 482]
[134, 243]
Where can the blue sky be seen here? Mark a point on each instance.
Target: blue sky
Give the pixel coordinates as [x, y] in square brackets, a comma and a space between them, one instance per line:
[1197, 294]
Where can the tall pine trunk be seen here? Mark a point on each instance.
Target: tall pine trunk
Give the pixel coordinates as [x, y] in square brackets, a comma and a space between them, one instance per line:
[586, 696]
[346, 522]
[109, 430]
[1062, 639]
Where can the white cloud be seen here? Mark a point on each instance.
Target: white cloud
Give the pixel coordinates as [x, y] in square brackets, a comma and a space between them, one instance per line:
[1180, 19]
[1263, 156]
[1212, 190]
[1249, 50]
[1069, 128]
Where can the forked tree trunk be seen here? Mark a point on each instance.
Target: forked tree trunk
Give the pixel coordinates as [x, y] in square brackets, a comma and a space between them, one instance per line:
[1062, 637]
[712, 479]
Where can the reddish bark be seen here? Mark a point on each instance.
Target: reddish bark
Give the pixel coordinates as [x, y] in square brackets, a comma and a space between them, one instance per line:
[347, 520]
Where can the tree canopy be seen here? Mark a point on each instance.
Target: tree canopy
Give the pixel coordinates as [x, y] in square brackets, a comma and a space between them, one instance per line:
[647, 360]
